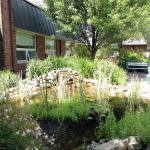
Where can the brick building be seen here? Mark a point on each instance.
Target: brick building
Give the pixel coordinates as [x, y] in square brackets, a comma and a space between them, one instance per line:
[26, 33]
[135, 44]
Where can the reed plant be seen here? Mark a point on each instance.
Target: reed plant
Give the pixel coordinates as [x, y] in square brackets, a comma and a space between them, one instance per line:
[134, 94]
[103, 86]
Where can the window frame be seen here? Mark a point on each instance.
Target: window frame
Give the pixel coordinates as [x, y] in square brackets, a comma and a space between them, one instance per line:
[26, 49]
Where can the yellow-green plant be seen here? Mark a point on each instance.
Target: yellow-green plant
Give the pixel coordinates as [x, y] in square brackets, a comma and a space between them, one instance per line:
[7, 80]
[115, 74]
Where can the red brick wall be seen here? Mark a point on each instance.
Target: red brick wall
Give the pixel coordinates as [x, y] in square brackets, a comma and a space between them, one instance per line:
[40, 46]
[134, 47]
[7, 31]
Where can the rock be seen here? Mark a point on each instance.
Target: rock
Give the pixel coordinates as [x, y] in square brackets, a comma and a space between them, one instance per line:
[102, 141]
[148, 147]
[133, 144]
[115, 144]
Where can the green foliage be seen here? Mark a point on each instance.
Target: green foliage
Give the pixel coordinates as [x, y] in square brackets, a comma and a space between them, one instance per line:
[112, 71]
[132, 124]
[80, 51]
[131, 56]
[104, 25]
[84, 66]
[104, 52]
[8, 79]
[73, 110]
[16, 127]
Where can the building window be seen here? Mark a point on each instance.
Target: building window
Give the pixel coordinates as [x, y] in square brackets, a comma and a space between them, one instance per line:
[50, 49]
[25, 47]
[68, 45]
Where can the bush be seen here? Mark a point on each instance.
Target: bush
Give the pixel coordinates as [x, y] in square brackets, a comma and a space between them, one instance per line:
[112, 71]
[8, 79]
[131, 56]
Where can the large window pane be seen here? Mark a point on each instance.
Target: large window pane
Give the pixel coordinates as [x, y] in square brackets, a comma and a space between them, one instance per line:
[25, 40]
[50, 47]
[21, 55]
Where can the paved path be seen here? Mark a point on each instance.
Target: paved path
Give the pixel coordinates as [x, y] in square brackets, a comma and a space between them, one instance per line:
[145, 83]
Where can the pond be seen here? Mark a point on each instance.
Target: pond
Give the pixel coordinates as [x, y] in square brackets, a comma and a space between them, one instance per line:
[76, 135]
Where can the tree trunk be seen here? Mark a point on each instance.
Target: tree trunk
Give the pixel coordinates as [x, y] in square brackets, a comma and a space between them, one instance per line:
[94, 41]
[93, 53]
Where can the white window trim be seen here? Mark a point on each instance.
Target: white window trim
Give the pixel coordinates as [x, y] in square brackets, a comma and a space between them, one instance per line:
[26, 51]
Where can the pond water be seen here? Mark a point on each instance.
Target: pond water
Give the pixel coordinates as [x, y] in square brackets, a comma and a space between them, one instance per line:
[69, 136]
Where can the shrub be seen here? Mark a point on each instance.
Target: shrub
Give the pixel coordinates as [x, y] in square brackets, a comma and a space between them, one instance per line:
[110, 70]
[131, 56]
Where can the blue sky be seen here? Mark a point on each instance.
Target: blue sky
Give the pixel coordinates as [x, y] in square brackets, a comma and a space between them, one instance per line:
[36, 2]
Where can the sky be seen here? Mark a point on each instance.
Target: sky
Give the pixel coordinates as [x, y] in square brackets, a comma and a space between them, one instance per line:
[36, 2]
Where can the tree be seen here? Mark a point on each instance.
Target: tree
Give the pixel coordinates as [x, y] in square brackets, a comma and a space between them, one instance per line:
[97, 23]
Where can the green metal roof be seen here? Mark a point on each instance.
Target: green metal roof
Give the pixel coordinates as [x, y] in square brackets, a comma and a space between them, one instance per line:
[29, 17]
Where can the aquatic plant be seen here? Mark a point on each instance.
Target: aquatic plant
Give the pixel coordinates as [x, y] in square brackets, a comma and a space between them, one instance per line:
[66, 110]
